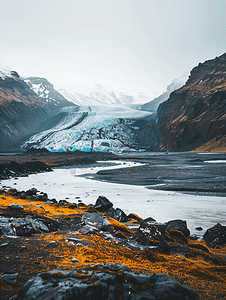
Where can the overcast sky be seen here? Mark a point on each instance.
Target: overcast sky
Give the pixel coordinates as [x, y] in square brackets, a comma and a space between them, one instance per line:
[134, 44]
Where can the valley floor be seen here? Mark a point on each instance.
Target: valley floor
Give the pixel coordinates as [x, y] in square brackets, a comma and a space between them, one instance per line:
[189, 261]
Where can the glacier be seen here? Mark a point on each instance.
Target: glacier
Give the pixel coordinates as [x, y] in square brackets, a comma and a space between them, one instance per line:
[105, 128]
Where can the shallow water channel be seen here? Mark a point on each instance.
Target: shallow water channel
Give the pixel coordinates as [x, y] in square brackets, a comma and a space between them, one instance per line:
[74, 184]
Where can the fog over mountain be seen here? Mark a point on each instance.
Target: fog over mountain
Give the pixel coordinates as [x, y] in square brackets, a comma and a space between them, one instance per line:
[122, 44]
[101, 95]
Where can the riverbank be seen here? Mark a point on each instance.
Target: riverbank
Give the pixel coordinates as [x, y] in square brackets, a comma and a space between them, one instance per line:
[75, 242]
[46, 234]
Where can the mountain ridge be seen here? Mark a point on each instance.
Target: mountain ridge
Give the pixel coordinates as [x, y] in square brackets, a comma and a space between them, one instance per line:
[195, 114]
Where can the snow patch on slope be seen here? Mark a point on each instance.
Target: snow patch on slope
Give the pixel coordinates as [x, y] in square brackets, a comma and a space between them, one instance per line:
[45, 90]
[6, 72]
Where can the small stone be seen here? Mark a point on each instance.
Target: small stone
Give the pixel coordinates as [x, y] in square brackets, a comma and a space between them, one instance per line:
[199, 228]
[74, 259]
[16, 206]
[52, 242]
[4, 244]
[9, 278]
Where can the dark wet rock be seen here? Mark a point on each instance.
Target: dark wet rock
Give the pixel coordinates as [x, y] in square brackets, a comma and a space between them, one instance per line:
[102, 204]
[215, 236]
[25, 225]
[23, 196]
[75, 218]
[4, 244]
[149, 219]
[14, 169]
[5, 226]
[3, 192]
[72, 206]
[96, 220]
[25, 230]
[176, 236]
[63, 202]
[148, 235]
[117, 214]
[194, 237]
[15, 206]
[135, 217]
[12, 191]
[178, 225]
[102, 282]
[31, 192]
[9, 278]
[199, 228]
[53, 200]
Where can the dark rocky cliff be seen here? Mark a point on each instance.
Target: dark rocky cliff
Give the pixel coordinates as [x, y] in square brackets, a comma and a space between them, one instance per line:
[21, 111]
[195, 115]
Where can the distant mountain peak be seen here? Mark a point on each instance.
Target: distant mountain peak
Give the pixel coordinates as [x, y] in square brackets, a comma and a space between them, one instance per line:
[174, 85]
[45, 90]
[99, 95]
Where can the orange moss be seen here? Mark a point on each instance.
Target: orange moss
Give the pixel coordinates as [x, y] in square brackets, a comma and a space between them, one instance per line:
[119, 226]
[202, 275]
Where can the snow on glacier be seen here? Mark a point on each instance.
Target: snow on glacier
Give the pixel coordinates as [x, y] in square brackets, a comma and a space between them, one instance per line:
[81, 128]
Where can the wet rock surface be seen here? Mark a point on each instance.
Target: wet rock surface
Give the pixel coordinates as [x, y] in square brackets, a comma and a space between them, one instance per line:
[14, 169]
[215, 236]
[109, 281]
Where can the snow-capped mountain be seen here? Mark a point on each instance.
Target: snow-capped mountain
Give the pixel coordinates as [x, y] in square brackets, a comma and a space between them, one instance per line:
[21, 110]
[100, 95]
[6, 72]
[98, 128]
[45, 90]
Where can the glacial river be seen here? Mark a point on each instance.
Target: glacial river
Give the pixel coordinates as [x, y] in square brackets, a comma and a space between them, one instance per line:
[74, 184]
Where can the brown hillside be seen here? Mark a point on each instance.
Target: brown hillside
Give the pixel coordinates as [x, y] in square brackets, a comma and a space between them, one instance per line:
[195, 115]
[21, 111]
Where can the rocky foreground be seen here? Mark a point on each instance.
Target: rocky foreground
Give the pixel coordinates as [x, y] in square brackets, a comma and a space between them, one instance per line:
[61, 250]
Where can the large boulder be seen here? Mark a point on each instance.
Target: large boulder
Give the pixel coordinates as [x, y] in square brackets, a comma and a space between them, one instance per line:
[26, 226]
[102, 204]
[215, 236]
[96, 220]
[117, 214]
[103, 282]
[178, 225]
[150, 235]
